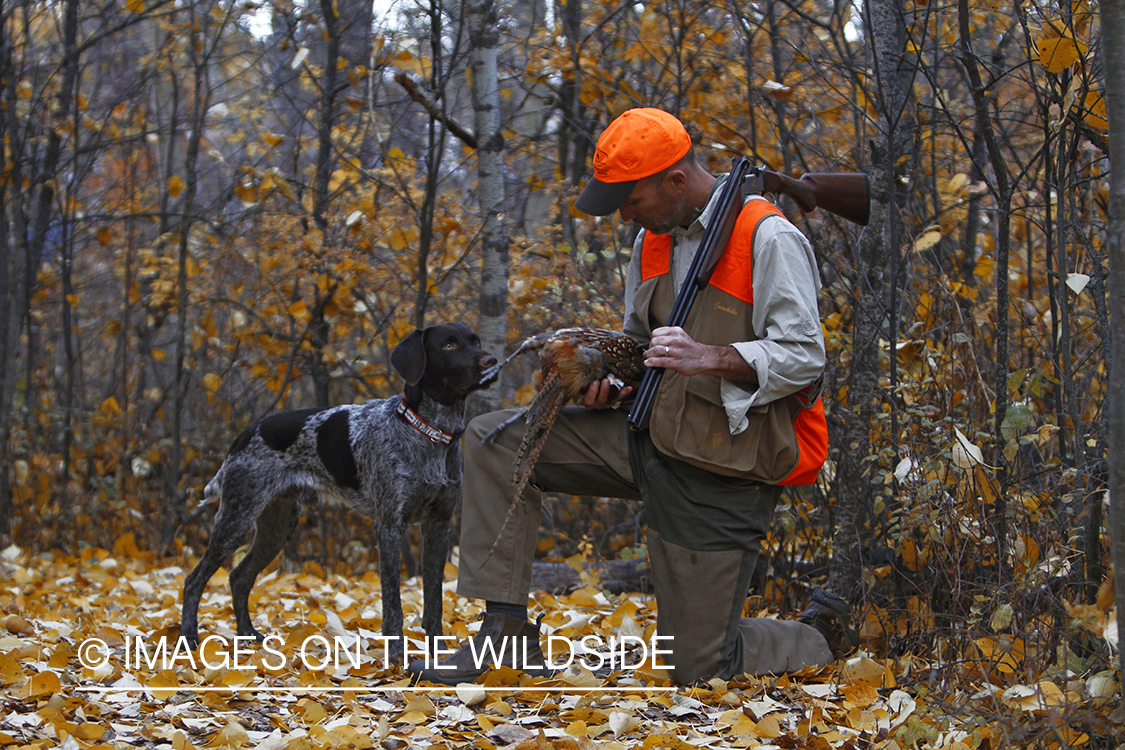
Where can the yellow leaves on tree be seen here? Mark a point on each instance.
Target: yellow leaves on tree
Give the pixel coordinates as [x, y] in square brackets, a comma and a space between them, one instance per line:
[1094, 107]
[212, 383]
[402, 237]
[1057, 53]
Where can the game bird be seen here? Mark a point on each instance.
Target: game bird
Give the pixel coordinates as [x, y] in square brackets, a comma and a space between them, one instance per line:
[570, 359]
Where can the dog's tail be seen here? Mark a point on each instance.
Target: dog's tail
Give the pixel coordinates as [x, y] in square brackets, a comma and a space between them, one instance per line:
[214, 489]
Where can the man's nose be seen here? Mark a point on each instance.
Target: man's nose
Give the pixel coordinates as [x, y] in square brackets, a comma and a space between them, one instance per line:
[627, 214]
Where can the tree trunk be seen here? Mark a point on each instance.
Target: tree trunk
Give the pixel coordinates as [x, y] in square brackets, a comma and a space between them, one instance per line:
[485, 51]
[325, 163]
[1113, 27]
[44, 207]
[435, 147]
[10, 304]
[201, 101]
[1001, 190]
[12, 292]
[885, 27]
[331, 84]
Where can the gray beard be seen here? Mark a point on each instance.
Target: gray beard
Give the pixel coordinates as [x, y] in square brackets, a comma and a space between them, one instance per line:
[680, 215]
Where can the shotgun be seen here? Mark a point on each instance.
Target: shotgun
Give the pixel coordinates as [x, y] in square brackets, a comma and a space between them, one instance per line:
[844, 194]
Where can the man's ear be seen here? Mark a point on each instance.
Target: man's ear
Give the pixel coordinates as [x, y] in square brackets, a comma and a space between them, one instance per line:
[676, 181]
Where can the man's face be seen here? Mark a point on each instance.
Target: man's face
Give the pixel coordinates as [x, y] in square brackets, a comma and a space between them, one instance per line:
[656, 204]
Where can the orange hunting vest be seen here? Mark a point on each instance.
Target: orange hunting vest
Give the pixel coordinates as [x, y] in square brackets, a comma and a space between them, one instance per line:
[786, 441]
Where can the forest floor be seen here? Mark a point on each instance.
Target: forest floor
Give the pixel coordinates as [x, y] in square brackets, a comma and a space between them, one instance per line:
[81, 666]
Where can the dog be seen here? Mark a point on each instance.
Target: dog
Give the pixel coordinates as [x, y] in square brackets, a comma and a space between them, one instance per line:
[394, 460]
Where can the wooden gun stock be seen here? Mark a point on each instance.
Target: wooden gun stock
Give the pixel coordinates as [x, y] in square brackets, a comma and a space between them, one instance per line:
[845, 194]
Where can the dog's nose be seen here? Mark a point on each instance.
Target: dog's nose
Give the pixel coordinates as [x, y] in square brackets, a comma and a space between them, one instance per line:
[488, 360]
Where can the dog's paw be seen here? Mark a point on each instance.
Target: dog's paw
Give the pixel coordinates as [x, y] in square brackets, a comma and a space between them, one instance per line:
[394, 656]
[251, 632]
[189, 640]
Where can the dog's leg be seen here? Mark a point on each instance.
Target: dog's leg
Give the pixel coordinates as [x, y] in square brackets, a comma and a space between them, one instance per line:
[271, 531]
[435, 548]
[390, 538]
[232, 523]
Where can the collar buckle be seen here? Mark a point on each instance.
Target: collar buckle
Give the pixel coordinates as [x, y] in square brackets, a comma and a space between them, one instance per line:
[419, 424]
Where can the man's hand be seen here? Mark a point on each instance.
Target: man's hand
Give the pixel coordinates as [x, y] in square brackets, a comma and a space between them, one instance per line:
[671, 347]
[602, 394]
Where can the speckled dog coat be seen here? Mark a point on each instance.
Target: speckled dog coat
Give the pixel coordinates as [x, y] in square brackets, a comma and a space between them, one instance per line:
[394, 460]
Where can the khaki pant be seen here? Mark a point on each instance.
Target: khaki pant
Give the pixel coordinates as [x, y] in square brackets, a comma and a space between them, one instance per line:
[704, 531]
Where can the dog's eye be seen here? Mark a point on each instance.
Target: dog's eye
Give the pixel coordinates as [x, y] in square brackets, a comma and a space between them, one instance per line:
[449, 345]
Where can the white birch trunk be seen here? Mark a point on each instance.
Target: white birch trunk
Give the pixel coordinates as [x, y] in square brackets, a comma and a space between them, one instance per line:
[485, 45]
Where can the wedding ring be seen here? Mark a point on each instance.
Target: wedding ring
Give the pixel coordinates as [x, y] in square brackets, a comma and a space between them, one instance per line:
[666, 350]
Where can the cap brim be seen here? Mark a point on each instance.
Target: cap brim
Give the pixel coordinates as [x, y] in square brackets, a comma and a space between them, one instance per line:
[603, 198]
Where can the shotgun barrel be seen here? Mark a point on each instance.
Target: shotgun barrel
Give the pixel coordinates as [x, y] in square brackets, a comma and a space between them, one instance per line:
[702, 265]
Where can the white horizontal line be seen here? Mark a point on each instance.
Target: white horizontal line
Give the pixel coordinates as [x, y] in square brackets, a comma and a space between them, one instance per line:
[375, 689]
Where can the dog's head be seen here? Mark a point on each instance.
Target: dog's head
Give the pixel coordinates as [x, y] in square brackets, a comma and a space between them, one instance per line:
[444, 361]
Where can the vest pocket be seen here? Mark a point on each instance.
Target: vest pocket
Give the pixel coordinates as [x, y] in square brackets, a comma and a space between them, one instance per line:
[699, 432]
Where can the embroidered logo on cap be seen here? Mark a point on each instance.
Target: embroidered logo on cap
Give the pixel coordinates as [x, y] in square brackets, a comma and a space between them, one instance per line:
[601, 164]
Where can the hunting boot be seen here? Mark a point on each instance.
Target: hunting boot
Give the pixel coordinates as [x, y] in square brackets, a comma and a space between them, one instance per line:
[831, 615]
[502, 640]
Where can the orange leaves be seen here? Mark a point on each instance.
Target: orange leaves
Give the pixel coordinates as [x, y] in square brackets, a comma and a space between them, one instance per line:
[41, 685]
[108, 413]
[1060, 42]
[251, 187]
[927, 240]
[402, 238]
[247, 193]
[299, 310]
[913, 557]
[1062, 47]
[126, 599]
[1094, 110]
[277, 376]
[211, 382]
[1002, 654]
[1057, 53]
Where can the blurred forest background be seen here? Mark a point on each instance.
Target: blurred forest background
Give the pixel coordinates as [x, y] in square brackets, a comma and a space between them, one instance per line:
[213, 210]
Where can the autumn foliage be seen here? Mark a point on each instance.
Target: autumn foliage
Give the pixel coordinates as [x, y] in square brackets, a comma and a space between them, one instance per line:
[217, 210]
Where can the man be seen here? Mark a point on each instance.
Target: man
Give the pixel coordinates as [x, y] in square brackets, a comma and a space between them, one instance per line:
[737, 416]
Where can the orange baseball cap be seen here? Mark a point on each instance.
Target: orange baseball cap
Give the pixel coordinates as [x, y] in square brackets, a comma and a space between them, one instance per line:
[638, 144]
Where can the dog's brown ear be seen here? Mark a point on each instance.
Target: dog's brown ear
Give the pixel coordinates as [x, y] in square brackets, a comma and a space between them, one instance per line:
[409, 357]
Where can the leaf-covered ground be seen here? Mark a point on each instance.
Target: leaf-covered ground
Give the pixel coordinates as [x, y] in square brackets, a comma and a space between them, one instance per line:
[53, 606]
